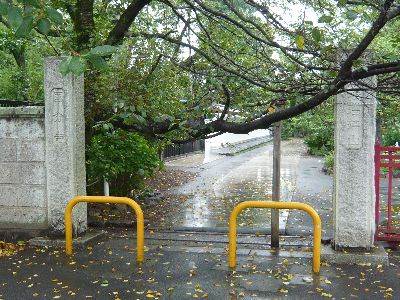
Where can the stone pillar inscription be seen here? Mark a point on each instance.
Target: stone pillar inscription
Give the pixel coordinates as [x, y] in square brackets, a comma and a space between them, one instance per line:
[354, 187]
[65, 146]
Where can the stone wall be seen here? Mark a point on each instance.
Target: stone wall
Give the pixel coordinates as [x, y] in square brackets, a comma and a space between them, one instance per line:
[42, 158]
[23, 202]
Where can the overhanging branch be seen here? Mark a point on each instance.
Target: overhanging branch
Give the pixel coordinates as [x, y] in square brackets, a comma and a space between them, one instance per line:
[126, 19]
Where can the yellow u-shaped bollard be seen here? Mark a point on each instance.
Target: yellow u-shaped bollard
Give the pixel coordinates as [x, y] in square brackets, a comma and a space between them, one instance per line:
[105, 199]
[276, 205]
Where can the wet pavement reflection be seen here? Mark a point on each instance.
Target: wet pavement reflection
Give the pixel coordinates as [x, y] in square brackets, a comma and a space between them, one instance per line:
[225, 182]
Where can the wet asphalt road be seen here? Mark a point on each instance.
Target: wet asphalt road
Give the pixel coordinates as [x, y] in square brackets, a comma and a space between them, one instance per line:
[224, 183]
[313, 187]
[227, 181]
[248, 176]
[186, 270]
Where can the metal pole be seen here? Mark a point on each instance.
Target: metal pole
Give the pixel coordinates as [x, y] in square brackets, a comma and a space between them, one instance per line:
[276, 174]
[100, 199]
[277, 205]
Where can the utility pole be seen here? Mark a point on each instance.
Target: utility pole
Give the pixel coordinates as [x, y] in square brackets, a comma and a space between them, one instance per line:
[276, 178]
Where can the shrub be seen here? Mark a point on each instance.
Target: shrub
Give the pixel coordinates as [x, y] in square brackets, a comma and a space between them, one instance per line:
[390, 136]
[319, 139]
[315, 128]
[125, 159]
[329, 160]
[294, 127]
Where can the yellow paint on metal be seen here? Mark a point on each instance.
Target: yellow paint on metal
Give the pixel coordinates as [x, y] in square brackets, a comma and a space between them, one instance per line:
[105, 199]
[276, 205]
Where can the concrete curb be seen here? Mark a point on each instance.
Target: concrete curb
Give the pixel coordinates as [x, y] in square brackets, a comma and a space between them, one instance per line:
[328, 255]
[177, 157]
[255, 230]
[243, 146]
[376, 256]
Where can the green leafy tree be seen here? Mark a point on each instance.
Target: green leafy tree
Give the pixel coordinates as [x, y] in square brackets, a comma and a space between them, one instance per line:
[243, 55]
[254, 47]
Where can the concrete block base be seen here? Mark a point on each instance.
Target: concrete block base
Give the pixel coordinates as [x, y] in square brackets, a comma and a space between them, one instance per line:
[20, 234]
[80, 242]
[375, 256]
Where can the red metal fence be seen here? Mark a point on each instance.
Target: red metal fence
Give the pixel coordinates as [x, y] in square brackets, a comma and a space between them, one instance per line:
[387, 159]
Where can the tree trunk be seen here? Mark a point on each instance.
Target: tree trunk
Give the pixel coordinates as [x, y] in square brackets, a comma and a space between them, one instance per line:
[22, 77]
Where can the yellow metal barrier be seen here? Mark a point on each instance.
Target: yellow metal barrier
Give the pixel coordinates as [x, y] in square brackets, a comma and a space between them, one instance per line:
[105, 199]
[276, 205]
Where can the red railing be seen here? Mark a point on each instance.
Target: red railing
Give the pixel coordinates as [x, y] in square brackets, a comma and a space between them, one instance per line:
[386, 157]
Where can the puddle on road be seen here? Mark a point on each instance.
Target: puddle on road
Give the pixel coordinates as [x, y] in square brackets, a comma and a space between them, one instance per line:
[206, 211]
[214, 212]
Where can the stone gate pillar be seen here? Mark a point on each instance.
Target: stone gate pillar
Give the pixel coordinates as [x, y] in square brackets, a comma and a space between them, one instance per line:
[354, 187]
[65, 146]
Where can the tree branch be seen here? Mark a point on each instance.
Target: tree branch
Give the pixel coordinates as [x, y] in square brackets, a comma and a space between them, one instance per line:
[211, 60]
[361, 74]
[377, 25]
[117, 34]
[227, 103]
[395, 12]
[154, 66]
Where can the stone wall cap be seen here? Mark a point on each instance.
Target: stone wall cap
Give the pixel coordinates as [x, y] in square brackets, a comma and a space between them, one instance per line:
[359, 103]
[22, 112]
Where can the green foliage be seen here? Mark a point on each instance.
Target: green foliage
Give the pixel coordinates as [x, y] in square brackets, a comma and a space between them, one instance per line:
[391, 135]
[25, 28]
[159, 87]
[21, 18]
[44, 26]
[74, 64]
[300, 41]
[55, 16]
[22, 80]
[319, 138]
[325, 19]
[77, 65]
[295, 127]
[123, 158]
[329, 161]
[316, 127]
[316, 34]
[143, 85]
[104, 50]
[24, 17]
[14, 17]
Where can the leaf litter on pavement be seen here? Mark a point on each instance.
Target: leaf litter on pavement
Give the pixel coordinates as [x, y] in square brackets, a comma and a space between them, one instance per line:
[107, 270]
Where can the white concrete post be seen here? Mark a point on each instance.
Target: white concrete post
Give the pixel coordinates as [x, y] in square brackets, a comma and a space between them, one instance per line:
[65, 146]
[106, 188]
[354, 187]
